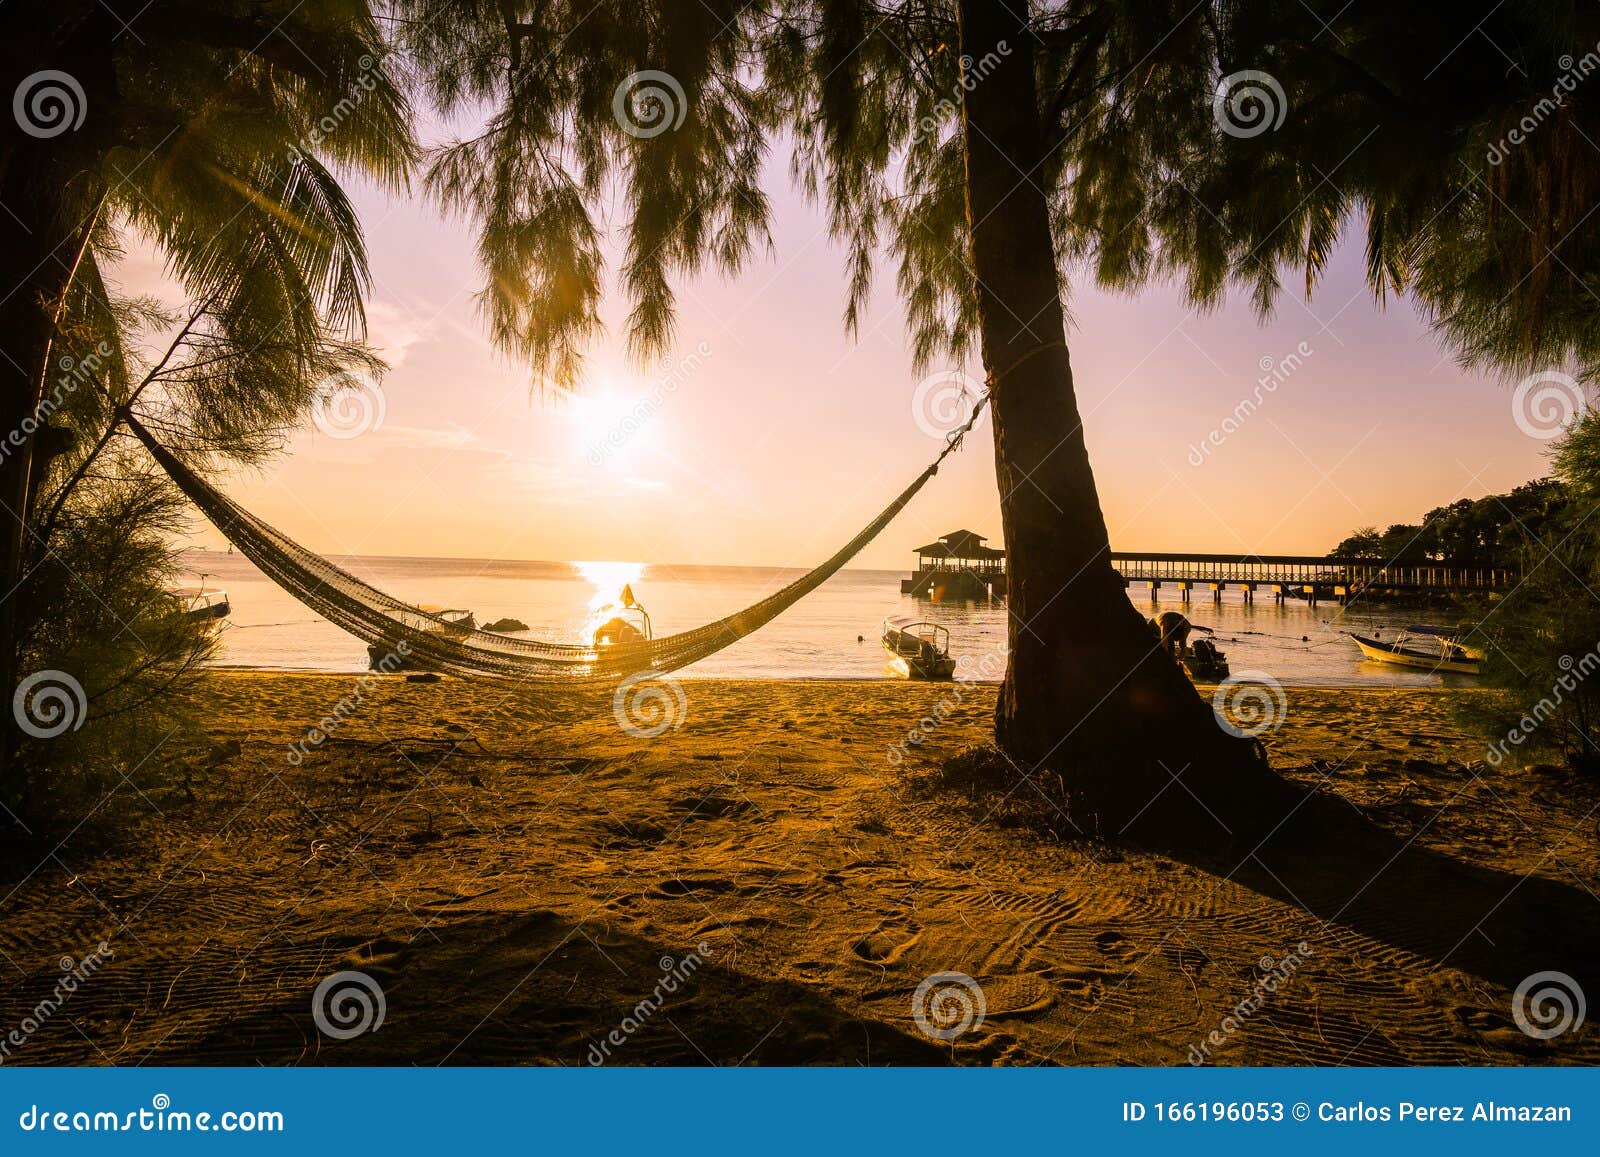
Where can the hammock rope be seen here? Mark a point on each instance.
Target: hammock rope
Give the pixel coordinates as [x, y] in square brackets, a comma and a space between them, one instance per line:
[382, 621]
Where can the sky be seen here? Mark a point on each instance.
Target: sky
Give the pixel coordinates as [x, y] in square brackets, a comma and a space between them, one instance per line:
[770, 436]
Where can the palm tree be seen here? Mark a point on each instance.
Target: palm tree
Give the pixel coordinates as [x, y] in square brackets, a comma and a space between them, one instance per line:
[206, 135]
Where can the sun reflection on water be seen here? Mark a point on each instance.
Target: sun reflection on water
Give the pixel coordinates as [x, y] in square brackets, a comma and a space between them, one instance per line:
[608, 579]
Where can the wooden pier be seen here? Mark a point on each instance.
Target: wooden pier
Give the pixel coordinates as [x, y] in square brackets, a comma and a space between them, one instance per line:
[960, 566]
[1307, 577]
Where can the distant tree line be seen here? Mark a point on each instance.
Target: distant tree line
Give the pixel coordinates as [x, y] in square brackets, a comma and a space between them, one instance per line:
[1495, 530]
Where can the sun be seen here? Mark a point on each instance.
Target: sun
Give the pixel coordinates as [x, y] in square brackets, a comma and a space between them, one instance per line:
[609, 428]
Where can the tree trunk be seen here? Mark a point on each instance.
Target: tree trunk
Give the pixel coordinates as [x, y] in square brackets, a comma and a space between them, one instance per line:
[38, 248]
[1088, 693]
[49, 184]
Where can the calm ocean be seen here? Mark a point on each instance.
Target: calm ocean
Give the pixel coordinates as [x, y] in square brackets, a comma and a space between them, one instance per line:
[816, 639]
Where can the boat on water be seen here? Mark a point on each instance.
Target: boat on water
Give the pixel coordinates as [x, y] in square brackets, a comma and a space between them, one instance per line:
[202, 602]
[1205, 661]
[631, 624]
[1454, 634]
[386, 656]
[1447, 656]
[921, 649]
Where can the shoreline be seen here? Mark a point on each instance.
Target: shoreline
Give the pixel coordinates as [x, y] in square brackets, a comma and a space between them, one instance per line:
[232, 670]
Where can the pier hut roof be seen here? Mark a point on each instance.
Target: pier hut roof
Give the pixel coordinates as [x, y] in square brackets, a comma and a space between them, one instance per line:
[960, 544]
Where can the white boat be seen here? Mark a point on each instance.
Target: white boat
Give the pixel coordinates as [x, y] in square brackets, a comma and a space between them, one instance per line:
[1454, 635]
[921, 649]
[387, 656]
[631, 624]
[202, 602]
[1448, 657]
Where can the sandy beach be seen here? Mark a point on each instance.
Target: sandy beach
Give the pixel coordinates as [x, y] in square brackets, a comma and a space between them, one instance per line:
[520, 876]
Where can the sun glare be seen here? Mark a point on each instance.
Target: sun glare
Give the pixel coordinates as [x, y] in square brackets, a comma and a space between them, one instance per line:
[608, 427]
[608, 579]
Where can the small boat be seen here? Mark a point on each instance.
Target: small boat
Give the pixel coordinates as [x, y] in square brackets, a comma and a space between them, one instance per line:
[921, 650]
[386, 656]
[201, 602]
[1205, 661]
[630, 625]
[1454, 635]
[1448, 657]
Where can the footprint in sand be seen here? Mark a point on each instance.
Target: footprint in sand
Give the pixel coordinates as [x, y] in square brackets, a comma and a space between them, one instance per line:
[887, 942]
[709, 807]
[1117, 946]
[678, 887]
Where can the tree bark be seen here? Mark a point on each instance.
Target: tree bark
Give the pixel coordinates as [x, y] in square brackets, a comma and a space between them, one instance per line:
[1088, 693]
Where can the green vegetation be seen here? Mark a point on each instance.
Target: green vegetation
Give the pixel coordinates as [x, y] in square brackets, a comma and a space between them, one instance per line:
[1496, 530]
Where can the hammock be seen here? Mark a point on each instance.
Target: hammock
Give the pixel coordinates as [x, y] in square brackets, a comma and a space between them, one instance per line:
[385, 622]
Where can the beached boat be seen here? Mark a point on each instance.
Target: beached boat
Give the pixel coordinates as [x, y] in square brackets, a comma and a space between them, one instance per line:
[1447, 657]
[921, 650]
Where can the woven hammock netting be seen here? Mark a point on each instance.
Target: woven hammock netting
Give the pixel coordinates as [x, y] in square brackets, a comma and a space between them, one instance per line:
[383, 621]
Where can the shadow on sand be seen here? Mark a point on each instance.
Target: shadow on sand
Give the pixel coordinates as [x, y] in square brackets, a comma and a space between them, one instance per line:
[1333, 862]
[536, 988]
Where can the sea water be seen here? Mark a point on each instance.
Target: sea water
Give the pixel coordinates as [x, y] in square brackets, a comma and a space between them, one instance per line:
[831, 634]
